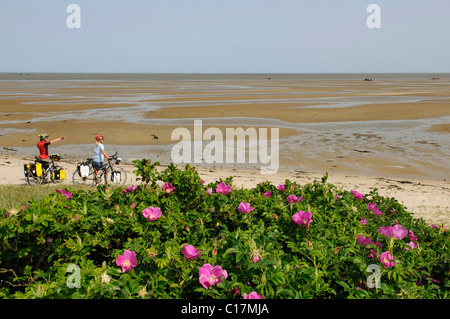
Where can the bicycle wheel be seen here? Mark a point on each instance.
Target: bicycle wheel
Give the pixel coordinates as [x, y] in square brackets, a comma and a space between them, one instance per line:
[89, 180]
[116, 176]
[34, 180]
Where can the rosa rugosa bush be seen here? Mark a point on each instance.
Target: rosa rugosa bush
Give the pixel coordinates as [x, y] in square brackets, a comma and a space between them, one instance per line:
[191, 240]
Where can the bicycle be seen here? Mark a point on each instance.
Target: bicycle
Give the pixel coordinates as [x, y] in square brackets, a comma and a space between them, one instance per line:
[112, 175]
[42, 172]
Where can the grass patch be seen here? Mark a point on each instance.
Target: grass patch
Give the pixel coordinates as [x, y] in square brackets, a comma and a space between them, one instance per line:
[14, 196]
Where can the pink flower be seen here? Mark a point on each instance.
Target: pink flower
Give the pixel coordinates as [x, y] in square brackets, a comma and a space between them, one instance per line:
[253, 295]
[129, 189]
[24, 207]
[267, 194]
[168, 188]
[222, 188]
[412, 236]
[357, 195]
[373, 207]
[210, 276]
[127, 260]
[256, 256]
[209, 191]
[245, 208]
[366, 241]
[65, 193]
[190, 252]
[302, 218]
[294, 199]
[396, 232]
[133, 205]
[363, 221]
[441, 228]
[411, 244]
[152, 213]
[281, 187]
[419, 283]
[386, 259]
[436, 281]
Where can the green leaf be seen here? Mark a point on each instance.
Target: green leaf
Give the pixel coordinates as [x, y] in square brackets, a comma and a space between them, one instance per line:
[230, 251]
[239, 256]
[132, 287]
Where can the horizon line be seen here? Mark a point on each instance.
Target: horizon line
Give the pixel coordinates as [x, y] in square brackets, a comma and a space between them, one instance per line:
[244, 73]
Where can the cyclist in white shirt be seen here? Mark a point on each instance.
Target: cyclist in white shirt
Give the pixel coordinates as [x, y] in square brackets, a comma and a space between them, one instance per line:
[99, 153]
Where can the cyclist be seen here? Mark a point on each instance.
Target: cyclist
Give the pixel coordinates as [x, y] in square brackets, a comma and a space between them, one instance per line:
[43, 148]
[99, 153]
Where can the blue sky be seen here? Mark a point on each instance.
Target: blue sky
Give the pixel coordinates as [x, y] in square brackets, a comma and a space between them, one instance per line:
[225, 36]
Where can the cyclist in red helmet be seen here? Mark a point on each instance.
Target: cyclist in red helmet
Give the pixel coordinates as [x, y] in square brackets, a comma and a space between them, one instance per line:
[43, 147]
[99, 153]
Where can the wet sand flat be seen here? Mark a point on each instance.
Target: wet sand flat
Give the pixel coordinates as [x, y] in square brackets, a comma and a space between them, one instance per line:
[388, 127]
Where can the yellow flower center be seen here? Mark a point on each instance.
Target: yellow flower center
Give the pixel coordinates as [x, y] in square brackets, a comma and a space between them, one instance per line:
[212, 278]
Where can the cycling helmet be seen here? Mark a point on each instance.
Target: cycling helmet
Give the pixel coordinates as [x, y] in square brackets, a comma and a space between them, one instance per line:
[99, 137]
[43, 136]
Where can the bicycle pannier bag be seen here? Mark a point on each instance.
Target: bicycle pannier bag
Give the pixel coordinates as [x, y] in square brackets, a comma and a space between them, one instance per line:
[84, 170]
[56, 157]
[116, 177]
[59, 174]
[35, 169]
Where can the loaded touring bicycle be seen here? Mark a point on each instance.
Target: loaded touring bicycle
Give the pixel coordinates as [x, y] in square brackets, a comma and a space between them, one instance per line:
[109, 174]
[41, 172]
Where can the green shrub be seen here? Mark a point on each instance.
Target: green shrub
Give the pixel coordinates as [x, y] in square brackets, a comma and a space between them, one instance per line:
[65, 245]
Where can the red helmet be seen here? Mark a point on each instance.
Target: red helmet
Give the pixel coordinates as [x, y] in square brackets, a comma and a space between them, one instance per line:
[99, 137]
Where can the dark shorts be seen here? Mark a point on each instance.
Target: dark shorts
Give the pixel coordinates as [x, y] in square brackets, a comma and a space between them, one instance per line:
[97, 165]
[45, 162]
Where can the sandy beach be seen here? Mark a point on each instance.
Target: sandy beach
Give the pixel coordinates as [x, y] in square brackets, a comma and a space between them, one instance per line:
[391, 134]
[428, 199]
